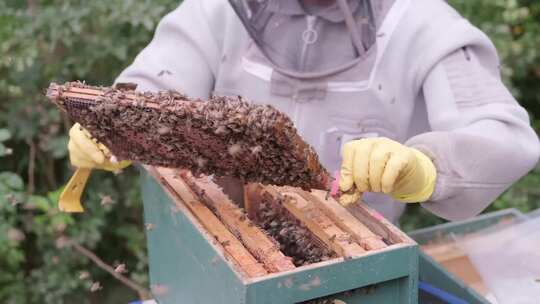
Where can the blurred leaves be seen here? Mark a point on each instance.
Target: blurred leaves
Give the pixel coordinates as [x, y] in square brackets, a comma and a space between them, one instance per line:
[5, 135]
[43, 41]
[11, 181]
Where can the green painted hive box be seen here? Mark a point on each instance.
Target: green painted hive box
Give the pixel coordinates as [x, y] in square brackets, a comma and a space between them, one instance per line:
[188, 264]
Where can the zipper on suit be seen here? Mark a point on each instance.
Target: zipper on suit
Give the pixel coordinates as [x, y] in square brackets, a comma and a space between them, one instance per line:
[296, 110]
[309, 36]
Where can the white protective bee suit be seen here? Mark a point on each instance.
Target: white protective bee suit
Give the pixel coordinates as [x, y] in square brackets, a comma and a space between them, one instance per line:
[426, 78]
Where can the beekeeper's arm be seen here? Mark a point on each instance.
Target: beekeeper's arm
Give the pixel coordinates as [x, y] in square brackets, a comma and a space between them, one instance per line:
[183, 56]
[481, 142]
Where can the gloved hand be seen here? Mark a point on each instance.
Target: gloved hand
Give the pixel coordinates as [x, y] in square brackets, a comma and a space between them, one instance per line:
[384, 165]
[85, 152]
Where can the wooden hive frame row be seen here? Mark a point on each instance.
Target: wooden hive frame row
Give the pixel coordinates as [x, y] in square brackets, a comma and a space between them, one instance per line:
[347, 232]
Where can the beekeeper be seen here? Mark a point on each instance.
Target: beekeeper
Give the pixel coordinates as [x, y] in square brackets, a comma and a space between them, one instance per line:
[403, 97]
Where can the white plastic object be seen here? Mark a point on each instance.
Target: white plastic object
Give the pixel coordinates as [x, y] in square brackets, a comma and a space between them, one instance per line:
[508, 260]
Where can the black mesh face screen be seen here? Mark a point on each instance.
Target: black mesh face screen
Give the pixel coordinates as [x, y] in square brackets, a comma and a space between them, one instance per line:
[311, 39]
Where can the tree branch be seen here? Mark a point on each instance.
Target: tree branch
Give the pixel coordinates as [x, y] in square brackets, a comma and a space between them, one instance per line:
[31, 166]
[144, 293]
[31, 7]
[49, 172]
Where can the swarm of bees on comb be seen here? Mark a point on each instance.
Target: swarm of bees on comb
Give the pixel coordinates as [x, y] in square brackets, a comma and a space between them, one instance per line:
[296, 241]
[223, 136]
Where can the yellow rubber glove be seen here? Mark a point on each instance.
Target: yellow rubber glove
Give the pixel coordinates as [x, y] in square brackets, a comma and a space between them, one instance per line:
[384, 165]
[85, 152]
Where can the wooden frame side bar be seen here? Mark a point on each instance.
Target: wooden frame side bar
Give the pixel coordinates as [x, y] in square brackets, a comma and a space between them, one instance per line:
[378, 224]
[231, 246]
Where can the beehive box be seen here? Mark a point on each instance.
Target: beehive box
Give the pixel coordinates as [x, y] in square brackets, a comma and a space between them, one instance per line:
[287, 246]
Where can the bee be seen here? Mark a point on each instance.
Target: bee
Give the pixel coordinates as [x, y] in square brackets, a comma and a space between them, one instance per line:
[106, 200]
[121, 268]
[201, 162]
[234, 149]
[96, 286]
[256, 149]
[83, 275]
[221, 130]
[164, 72]
[163, 130]
[127, 86]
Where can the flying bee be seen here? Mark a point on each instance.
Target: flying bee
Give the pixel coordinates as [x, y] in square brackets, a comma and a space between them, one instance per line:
[234, 149]
[96, 286]
[163, 130]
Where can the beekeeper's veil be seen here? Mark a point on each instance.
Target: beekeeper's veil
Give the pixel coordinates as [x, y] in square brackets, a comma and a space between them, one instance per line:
[313, 37]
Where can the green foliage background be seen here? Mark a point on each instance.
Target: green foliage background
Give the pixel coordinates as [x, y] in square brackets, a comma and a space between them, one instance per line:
[60, 40]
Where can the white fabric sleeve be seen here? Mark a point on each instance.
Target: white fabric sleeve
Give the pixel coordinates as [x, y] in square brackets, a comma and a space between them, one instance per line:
[480, 141]
[183, 54]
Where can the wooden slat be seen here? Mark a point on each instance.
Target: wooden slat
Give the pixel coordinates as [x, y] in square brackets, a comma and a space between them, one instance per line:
[456, 261]
[232, 247]
[343, 218]
[87, 91]
[94, 98]
[76, 95]
[98, 92]
[378, 224]
[321, 225]
[255, 240]
[251, 200]
[444, 252]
